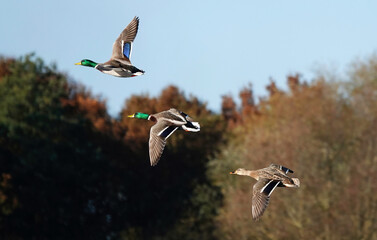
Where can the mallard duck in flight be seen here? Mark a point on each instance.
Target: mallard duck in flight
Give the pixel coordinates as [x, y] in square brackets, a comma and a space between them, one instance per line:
[119, 64]
[166, 123]
[267, 180]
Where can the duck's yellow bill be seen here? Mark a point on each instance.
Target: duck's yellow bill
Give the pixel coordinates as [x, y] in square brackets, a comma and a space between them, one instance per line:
[79, 63]
[231, 173]
[131, 116]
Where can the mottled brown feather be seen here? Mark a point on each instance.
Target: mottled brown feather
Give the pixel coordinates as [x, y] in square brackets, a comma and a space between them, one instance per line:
[267, 180]
[259, 200]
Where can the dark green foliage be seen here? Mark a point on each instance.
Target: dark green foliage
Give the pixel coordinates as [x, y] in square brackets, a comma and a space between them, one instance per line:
[67, 172]
[50, 156]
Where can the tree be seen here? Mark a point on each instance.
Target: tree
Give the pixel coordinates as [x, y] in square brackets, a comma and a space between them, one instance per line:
[70, 171]
[328, 138]
[53, 170]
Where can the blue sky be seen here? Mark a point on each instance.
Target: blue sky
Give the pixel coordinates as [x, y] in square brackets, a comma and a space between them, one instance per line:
[206, 48]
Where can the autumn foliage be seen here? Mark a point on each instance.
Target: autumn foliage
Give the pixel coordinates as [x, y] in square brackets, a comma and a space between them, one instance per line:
[69, 170]
[326, 132]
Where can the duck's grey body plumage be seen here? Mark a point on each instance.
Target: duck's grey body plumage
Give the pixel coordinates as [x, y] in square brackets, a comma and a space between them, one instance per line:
[166, 123]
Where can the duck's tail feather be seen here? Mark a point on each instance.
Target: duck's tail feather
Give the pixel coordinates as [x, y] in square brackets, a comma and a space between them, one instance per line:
[191, 127]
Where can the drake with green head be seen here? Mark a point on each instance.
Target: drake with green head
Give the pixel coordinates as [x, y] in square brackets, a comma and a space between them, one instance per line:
[119, 64]
[166, 123]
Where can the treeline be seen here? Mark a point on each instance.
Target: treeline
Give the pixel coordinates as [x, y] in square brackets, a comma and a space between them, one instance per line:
[326, 131]
[68, 170]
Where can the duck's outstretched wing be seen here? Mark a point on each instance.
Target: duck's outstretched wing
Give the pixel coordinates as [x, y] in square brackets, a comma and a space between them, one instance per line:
[157, 140]
[122, 47]
[261, 196]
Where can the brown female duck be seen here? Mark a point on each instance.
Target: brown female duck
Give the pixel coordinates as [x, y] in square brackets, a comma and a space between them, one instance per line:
[267, 180]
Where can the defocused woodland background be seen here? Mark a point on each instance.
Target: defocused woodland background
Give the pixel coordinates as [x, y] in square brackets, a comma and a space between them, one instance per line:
[69, 170]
